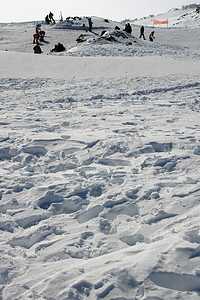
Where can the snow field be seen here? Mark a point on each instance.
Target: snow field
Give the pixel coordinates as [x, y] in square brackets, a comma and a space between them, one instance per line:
[99, 180]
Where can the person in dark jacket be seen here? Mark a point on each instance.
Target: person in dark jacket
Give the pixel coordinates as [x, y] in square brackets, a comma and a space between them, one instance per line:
[51, 17]
[142, 33]
[90, 24]
[47, 19]
[58, 48]
[42, 35]
[37, 49]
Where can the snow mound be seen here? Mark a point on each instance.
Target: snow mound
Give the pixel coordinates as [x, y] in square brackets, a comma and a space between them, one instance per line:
[121, 43]
[117, 36]
[180, 18]
[81, 23]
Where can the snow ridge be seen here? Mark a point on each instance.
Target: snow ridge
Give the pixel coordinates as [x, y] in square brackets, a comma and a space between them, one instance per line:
[178, 18]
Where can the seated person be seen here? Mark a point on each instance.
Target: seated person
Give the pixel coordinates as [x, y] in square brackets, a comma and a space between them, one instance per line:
[58, 48]
[37, 49]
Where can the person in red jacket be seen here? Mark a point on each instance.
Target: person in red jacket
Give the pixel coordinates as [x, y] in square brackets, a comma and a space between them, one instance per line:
[37, 34]
[36, 38]
[151, 36]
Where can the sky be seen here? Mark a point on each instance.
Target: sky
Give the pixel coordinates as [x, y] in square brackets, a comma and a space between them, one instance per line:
[116, 10]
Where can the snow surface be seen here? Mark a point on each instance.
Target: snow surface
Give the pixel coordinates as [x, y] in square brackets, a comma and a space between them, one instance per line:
[99, 154]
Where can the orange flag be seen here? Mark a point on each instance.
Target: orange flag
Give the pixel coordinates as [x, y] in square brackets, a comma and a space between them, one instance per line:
[161, 22]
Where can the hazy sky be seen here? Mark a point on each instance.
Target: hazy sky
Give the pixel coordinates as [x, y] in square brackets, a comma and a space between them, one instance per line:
[33, 10]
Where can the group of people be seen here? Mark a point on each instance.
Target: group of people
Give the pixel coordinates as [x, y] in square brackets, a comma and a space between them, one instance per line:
[151, 35]
[49, 18]
[128, 29]
[40, 34]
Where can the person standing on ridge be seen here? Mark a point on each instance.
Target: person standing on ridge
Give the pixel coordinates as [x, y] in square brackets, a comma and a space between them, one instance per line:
[51, 17]
[142, 32]
[90, 24]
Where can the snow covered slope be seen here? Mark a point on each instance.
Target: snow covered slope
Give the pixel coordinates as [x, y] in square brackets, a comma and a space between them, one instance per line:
[177, 18]
[99, 157]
